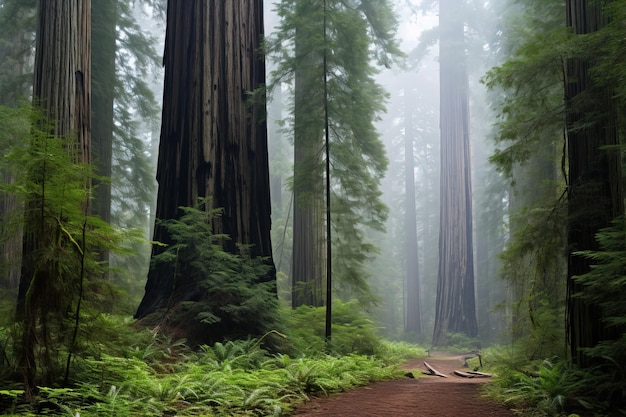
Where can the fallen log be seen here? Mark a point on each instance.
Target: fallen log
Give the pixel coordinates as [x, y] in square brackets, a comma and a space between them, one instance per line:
[463, 374]
[433, 371]
[480, 374]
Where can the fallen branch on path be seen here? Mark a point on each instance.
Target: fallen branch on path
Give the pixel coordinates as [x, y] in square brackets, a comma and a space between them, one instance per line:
[433, 371]
[471, 374]
[463, 374]
[480, 374]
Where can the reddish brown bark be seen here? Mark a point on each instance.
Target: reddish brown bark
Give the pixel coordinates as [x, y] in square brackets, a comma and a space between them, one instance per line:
[213, 135]
[455, 311]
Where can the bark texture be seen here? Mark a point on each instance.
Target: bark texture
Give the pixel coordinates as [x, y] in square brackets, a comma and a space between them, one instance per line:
[455, 310]
[103, 76]
[595, 193]
[62, 89]
[213, 136]
[308, 272]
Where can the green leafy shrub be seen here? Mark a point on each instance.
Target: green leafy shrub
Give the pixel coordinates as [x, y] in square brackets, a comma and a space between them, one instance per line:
[551, 387]
[352, 330]
[225, 296]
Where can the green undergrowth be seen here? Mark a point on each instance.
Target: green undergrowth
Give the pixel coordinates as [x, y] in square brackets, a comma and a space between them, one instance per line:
[548, 387]
[156, 376]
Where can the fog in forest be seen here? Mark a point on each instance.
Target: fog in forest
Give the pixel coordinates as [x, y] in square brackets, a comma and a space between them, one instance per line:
[230, 207]
[412, 110]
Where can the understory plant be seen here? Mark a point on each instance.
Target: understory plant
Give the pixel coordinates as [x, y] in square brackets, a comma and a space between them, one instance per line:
[548, 387]
[231, 378]
[218, 295]
[61, 284]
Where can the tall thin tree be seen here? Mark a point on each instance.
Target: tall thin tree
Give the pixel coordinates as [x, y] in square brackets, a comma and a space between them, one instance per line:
[17, 19]
[413, 322]
[356, 33]
[103, 77]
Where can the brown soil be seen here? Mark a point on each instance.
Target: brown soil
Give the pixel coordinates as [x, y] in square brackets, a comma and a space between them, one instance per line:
[430, 396]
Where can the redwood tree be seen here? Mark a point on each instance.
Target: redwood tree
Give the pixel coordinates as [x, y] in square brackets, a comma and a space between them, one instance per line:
[62, 89]
[354, 36]
[213, 136]
[413, 311]
[455, 310]
[595, 194]
[18, 32]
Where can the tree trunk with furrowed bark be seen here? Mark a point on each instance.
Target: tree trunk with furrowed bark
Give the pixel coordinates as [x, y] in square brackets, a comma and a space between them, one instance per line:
[62, 90]
[213, 135]
[455, 310]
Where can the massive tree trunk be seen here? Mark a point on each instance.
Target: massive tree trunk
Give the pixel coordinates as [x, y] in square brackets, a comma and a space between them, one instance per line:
[62, 89]
[213, 135]
[455, 311]
[413, 313]
[595, 195]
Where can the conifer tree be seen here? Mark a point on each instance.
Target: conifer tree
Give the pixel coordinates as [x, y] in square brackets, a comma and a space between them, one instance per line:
[356, 33]
[213, 138]
[413, 322]
[17, 19]
[528, 90]
[455, 310]
[62, 89]
[595, 190]
[124, 116]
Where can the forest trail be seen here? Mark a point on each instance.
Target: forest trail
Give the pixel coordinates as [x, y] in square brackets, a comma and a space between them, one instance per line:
[431, 396]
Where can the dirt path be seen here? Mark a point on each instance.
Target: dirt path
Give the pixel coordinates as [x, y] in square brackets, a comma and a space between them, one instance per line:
[430, 396]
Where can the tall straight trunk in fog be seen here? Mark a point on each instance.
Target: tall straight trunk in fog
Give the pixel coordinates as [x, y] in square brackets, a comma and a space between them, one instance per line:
[308, 256]
[357, 157]
[455, 311]
[213, 135]
[595, 194]
[103, 79]
[413, 322]
[15, 53]
[62, 89]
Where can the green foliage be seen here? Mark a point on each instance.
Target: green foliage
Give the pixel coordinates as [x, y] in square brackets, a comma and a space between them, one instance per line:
[540, 388]
[530, 83]
[603, 286]
[354, 35]
[528, 90]
[227, 297]
[62, 283]
[353, 331]
[135, 138]
[398, 352]
[231, 378]
[460, 342]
